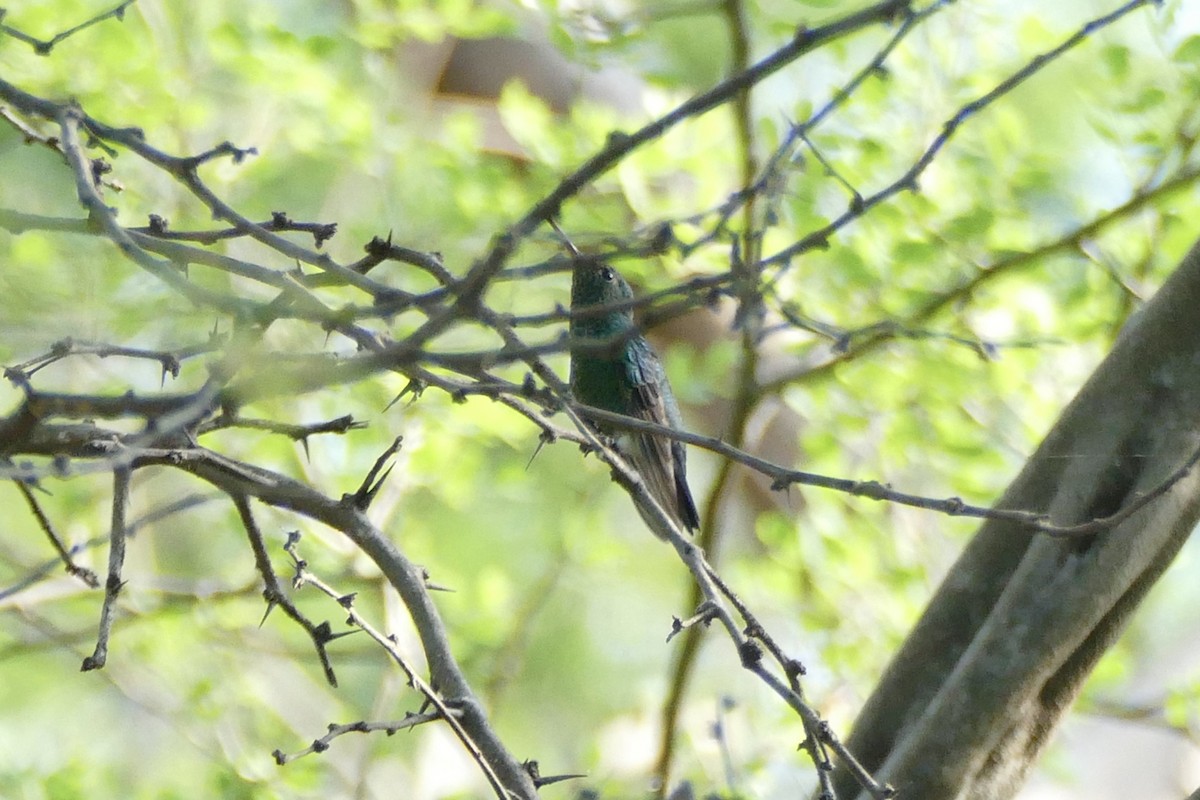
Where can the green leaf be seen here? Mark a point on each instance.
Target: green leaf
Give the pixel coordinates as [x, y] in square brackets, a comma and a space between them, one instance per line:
[1188, 51]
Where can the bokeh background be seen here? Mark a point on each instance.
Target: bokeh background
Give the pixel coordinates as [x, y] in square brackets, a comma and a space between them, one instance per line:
[442, 123]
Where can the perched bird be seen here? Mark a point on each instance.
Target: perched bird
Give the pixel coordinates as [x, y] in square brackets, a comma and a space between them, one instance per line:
[627, 378]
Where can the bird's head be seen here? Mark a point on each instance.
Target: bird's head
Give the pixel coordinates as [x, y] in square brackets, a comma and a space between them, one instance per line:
[595, 283]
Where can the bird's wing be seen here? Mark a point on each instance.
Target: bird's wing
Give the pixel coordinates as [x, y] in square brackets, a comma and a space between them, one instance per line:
[661, 461]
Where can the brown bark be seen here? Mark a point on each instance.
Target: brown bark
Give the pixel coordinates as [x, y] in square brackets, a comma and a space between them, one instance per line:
[972, 696]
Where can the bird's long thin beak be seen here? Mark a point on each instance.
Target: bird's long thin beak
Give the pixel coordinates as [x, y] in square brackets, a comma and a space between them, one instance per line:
[566, 239]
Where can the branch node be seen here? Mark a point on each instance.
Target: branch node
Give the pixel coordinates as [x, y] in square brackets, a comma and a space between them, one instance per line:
[751, 653]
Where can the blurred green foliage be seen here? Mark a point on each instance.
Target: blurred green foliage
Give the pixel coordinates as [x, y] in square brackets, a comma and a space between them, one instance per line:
[561, 600]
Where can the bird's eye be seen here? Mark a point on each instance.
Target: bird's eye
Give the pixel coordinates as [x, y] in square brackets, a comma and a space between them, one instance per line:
[607, 274]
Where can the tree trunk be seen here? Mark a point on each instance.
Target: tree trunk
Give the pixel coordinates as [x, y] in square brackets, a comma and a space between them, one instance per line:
[971, 698]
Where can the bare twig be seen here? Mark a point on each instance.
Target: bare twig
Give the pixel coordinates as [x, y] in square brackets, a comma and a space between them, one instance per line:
[116, 559]
[273, 591]
[321, 745]
[43, 46]
[83, 573]
[443, 706]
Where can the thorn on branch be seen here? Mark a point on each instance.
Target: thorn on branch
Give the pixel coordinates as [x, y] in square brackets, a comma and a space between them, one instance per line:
[430, 585]
[321, 231]
[18, 377]
[272, 602]
[323, 633]
[414, 387]
[705, 614]
[539, 780]
[529, 386]
[100, 168]
[546, 437]
[616, 140]
[361, 499]
[170, 366]
[378, 248]
[750, 652]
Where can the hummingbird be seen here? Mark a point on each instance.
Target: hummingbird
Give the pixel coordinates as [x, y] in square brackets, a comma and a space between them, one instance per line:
[627, 378]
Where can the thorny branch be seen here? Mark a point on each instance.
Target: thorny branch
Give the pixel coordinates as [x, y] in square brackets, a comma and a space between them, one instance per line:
[441, 705]
[274, 592]
[322, 744]
[173, 422]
